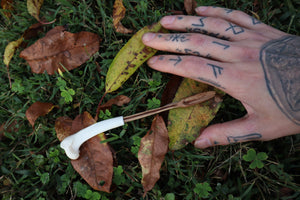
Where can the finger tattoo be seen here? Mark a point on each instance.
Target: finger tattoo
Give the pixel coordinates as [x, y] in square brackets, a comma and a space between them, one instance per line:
[216, 69]
[242, 138]
[235, 28]
[225, 46]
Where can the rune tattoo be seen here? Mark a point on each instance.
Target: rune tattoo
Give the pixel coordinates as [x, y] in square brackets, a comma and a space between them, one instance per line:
[280, 60]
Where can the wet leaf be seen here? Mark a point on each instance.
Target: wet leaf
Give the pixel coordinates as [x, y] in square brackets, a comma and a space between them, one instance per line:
[60, 49]
[33, 31]
[8, 6]
[189, 6]
[37, 110]
[154, 146]
[118, 14]
[129, 58]
[95, 164]
[10, 50]
[185, 123]
[118, 100]
[33, 7]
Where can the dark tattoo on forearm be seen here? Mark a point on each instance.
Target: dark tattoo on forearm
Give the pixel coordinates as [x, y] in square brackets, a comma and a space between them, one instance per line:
[235, 28]
[216, 69]
[205, 32]
[242, 138]
[177, 60]
[201, 23]
[177, 38]
[226, 46]
[213, 83]
[280, 60]
[255, 21]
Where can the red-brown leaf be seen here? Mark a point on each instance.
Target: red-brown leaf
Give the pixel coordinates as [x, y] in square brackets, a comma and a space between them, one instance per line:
[118, 14]
[190, 6]
[36, 110]
[7, 5]
[60, 49]
[95, 164]
[154, 146]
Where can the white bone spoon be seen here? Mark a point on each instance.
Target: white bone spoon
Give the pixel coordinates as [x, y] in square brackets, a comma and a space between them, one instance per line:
[72, 143]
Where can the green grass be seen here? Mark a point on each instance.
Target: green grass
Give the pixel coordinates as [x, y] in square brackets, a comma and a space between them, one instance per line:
[33, 166]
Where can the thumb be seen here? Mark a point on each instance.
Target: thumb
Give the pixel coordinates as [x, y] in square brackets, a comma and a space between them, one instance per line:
[239, 130]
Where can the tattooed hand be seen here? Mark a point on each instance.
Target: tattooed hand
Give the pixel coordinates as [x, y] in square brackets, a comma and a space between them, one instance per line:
[253, 62]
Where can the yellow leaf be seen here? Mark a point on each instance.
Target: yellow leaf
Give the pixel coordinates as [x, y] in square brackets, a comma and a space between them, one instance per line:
[10, 50]
[33, 7]
[129, 58]
[185, 123]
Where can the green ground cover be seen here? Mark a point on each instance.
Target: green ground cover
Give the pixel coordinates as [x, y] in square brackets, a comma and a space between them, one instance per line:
[33, 166]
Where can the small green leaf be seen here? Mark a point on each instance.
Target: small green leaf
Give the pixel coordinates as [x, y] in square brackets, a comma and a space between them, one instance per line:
[250, 156]
[262, 156]
[203, 189]
[129, 58]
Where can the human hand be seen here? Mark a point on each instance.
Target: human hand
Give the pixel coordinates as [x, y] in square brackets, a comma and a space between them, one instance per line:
[252, 62]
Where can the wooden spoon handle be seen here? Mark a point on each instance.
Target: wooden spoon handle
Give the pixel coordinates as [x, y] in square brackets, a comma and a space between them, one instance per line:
[186, 102]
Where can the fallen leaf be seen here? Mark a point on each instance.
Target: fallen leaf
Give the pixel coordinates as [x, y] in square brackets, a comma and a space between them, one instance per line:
[10, 50]
[129, 58]
[9, 127]
[95, 164]
[8, 6]
[60, 49]
[33, 7]
[118, 14]
[189, 6]
[184, 124]
[154, 146]
[36, 110]
[32, 31]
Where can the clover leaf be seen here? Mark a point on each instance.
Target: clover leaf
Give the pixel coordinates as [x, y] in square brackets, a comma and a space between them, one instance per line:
[255, 159]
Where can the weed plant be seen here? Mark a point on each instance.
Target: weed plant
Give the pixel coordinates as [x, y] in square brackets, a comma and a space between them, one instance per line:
[33, 166]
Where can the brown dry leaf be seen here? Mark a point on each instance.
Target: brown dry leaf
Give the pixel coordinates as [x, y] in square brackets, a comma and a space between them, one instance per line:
[95, 164]
[189, 6]
[7, 5]
[119, 101]
[154, 146]
[60, 49]
[9, 127]
[38, 109]
[118, 14]
[33, 7]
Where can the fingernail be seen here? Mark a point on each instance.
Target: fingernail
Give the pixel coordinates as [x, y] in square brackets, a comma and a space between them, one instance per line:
[167, 20]
[148, 37]
[202, 143]
[152, 60]
[201, 9]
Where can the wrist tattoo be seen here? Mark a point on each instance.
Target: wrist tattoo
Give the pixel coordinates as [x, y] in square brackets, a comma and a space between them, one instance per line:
[280, 60]
[242, 138]
[235, 28]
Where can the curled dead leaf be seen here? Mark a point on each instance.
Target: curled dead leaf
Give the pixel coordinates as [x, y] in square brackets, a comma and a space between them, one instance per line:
[8, 6]
[36, 110]
[33, 7]
[60, 49]
[95, 164]
[154, 146]
[118, 14]
[189, 6]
